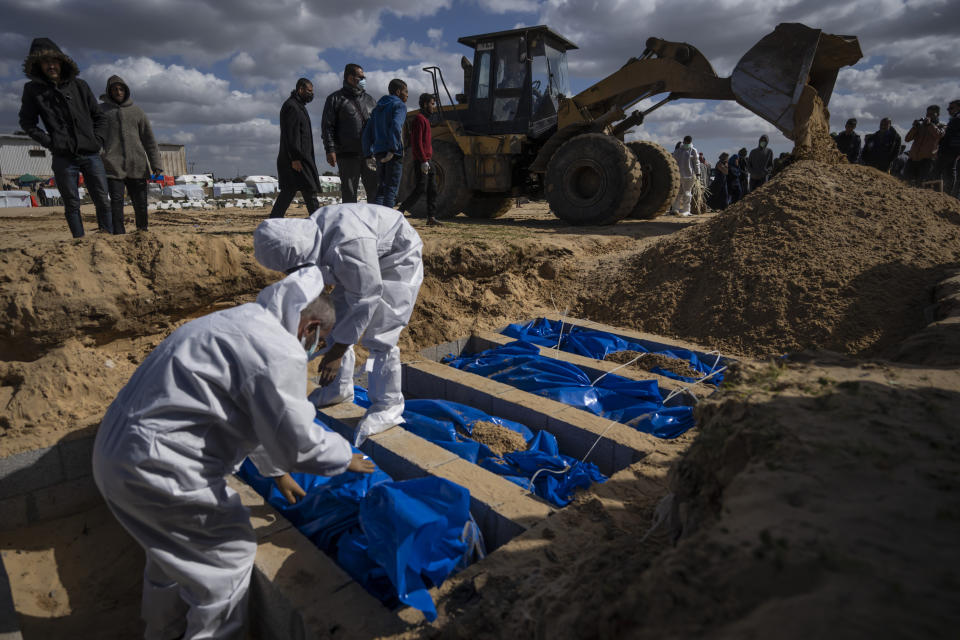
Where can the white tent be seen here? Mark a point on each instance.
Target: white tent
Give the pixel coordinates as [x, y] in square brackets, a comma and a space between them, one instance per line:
[192, 191]
[228, 188]
[15, 199]
[251, 180]
[195, 178]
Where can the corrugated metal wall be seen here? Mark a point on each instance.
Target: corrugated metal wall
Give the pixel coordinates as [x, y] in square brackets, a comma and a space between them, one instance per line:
[20, 155]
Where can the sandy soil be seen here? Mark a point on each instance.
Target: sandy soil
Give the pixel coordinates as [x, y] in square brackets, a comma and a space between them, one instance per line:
[818, 497]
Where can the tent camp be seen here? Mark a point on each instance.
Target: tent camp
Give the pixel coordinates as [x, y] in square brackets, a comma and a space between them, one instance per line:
[191, 191]
[15, 199]
[195, 178]
[228, 188]
[263, 184]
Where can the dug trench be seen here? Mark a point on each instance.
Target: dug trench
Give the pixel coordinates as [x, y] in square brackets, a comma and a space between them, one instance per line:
[817, 494]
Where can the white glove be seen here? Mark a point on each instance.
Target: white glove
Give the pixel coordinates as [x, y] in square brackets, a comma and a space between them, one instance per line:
[388, 157]
[426, 167]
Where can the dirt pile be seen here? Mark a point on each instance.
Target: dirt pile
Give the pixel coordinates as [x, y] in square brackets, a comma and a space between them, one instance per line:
[116, 286]
[841, 257]
[501, 440]
[811, 131]
[651, 361]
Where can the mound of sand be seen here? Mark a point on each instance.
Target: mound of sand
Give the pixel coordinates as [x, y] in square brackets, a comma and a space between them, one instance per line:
[841, 257]
[650, 361]
[501, 440]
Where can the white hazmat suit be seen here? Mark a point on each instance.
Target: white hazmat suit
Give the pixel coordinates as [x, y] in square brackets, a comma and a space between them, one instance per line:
[219, 388]
[374, 257]
[689, 163]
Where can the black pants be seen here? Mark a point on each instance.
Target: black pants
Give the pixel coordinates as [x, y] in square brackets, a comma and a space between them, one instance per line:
[919, 170]
[285, 197]
[137, 188]
[946, 170]
[425, 182]
[353, 169]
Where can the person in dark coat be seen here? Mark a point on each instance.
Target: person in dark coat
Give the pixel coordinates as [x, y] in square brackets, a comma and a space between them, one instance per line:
[130, 153]
[345, 113]
[742, 153]
[719, 194]
[881, 148]
[296, 162]
[948, 152]
[848, 141]
[735, 176]
[73, 129]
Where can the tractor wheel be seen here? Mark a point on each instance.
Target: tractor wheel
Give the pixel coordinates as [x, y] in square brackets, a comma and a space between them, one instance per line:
[452, 191]
[660, 182]
[485, 206]
[592, 178]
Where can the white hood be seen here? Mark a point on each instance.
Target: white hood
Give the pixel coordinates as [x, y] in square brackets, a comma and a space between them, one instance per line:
[282, 244]
[286, 298]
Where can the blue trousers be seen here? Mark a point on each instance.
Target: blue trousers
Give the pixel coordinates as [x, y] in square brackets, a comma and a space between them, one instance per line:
[388, 179]
[66, 171]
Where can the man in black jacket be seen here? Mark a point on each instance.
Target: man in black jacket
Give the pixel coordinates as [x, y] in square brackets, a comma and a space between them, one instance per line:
[296, 162]
[948, 152]
[880, 149]
[344, 114]
[848, 141]
[74, 129]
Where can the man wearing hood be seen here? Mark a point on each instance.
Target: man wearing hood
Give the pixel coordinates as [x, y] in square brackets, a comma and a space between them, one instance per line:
[73, 129]
[220, 388]
[296, 162]
[881, 148]
[345, 113]
[130, 153]
[760, 164]
[383, 139]
[688, 160]
[373, 256]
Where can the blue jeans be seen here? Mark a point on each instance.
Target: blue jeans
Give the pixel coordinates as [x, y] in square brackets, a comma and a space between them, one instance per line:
[388, 179]
[66, 170]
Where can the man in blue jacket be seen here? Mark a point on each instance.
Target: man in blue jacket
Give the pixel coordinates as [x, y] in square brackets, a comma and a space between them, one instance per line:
[382, 139]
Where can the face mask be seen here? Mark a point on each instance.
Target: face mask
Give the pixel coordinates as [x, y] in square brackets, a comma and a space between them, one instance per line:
[762, 144]
[687, 145]
[312, 350]
[362, 83]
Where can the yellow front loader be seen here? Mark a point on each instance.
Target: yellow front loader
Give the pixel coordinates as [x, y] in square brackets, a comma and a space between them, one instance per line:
[517, 130]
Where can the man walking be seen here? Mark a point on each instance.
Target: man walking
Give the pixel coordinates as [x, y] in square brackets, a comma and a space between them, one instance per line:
[74, 129]
[421, 145]
[345, 113]
[296, 162]
[130, 153]
[760, 164]
[383, 139]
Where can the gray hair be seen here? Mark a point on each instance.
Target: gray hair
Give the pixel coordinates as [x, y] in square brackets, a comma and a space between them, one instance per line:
[322, 311]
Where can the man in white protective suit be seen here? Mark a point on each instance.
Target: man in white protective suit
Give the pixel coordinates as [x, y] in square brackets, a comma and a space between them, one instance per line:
[219, 388]
[374, 257]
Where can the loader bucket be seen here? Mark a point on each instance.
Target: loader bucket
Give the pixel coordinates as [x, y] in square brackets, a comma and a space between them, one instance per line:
[770, 77]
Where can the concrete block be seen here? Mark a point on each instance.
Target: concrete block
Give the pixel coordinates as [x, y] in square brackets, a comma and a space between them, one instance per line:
[13, 512]
[415, 381]
[299, 592]
[29, 471]
[77, 457]
[9, 623]
[265, 519]
[64, 499]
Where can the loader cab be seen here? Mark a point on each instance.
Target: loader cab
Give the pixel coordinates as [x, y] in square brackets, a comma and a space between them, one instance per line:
[516, 82]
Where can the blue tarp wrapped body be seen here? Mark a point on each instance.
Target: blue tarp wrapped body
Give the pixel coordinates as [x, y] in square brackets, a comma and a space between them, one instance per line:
[636, 403]
[439, 421]
[434, 535]
[599, 344]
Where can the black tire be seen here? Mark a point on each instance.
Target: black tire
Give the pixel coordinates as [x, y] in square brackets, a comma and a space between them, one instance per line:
[452, 191]
[484, 206]
[592, 178]
[660, 181]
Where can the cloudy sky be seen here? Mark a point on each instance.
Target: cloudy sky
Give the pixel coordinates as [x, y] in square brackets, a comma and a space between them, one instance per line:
[211, 74]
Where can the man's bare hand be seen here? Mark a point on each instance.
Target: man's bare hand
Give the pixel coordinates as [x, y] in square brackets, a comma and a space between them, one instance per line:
[289, 488]
[329, 368]
[361, 464]
[297, 165]
[332, 159]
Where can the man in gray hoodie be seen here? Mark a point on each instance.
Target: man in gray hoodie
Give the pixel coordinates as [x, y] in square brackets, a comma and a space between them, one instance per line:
[130, 153]
[760, 164]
